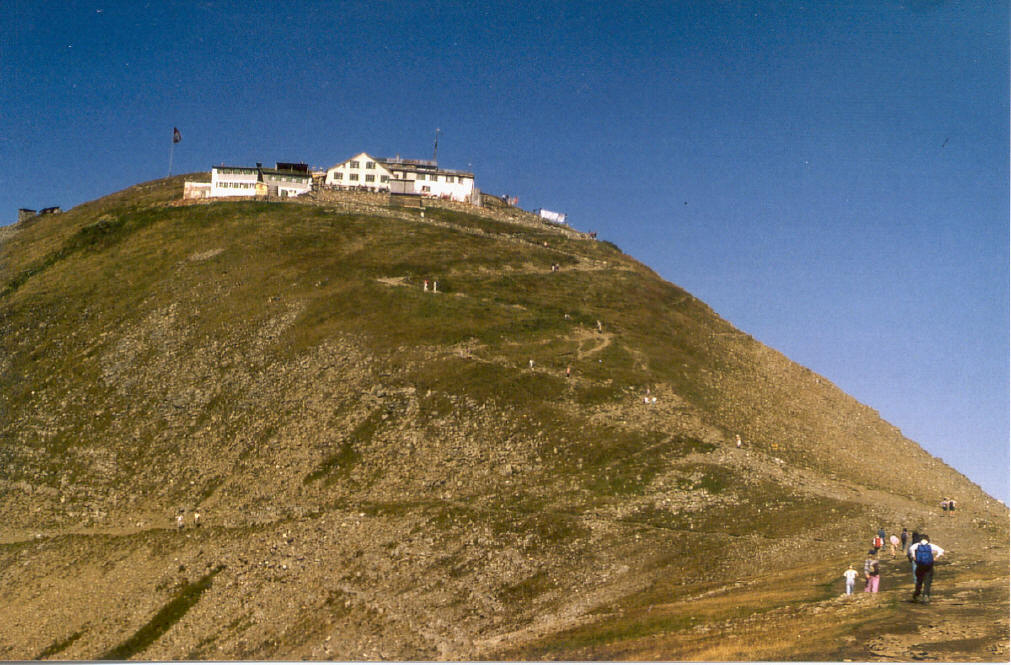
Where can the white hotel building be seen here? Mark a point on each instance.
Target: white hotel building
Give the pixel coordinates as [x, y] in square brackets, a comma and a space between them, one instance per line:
[284, 180]
[402, 176]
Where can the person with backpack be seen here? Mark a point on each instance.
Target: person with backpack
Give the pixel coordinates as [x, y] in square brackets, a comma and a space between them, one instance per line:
[909, 553]
[923, 554]
[878, 543]
[872, 572]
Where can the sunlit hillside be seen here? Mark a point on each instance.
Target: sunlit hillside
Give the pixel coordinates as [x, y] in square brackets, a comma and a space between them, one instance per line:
[533, 459]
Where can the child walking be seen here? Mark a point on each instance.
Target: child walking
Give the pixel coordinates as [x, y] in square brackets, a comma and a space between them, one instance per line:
[872, 572]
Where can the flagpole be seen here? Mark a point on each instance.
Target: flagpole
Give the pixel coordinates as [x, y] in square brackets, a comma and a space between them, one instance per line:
[171, 153]
[176, 138]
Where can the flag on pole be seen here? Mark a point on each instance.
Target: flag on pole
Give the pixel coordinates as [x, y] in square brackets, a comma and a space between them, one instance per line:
[176, 136]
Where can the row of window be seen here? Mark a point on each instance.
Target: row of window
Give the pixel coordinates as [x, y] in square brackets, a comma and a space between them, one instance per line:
[355, 177]
[354, 163]
[237, 171]
[237, 185]
[279, 178]
[369, 177]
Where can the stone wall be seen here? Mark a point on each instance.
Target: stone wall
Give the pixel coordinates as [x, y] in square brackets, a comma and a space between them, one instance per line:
[378, 203]
[369, 202]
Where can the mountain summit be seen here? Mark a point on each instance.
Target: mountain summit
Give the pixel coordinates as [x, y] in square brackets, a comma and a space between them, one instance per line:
[442, 433]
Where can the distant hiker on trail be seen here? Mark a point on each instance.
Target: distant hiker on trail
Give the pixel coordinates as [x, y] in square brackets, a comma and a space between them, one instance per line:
[179, 521]
[923, 555]
[944, 505]
[893, 540]
[881, 534]
[904, 538]
[196, 519]
[851, 576]
[738, 437]
[951, 505]
[426, 285]
[877, 543]
[872, 572]
[568, 371]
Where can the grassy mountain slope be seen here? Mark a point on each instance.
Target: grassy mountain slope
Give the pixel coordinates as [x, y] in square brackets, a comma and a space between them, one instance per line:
[393, 473]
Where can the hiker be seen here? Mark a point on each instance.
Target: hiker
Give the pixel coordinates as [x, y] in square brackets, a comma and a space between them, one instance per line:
[426, 286]
[435, 286]
[196, 519]
[944, 505]
[893, 540]
[179, 521]
[872, 572]
[568, 371]
[904, 538]
[909, 553]
[923, 555]
[851, 576]
[738, 440]
[877, 543]
[881, 534]
[951, 505]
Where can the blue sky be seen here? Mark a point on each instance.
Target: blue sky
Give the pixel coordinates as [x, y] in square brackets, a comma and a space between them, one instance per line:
[830, 177]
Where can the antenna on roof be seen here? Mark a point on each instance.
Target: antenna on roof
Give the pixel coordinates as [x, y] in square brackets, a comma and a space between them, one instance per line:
[435, 153]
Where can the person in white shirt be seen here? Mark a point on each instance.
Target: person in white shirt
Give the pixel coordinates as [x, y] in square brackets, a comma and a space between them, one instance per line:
[851, 576]
[923, 554]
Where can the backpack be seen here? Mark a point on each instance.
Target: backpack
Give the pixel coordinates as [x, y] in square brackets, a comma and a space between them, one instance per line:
[924, 555]
[877, 542]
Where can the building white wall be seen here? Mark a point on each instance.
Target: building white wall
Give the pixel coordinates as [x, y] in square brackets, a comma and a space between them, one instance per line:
[287, 184]
[362, 170]
[444, 184]
[196, 190]
[233, 181]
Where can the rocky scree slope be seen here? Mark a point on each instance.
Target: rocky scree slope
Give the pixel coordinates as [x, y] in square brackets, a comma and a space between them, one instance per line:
[383, 471]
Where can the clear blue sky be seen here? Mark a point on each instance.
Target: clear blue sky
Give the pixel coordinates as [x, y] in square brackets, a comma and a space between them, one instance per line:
[830, 177]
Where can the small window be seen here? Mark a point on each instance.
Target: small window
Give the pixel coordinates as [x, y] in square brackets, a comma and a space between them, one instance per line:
[353, 164]
[352, 176]
[370, 178]
[426, 188]
[384, 178]
[337, 175]
[370, 165]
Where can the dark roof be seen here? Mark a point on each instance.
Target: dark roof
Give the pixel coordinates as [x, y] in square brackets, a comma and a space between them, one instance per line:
[420, 166]
[292, 166]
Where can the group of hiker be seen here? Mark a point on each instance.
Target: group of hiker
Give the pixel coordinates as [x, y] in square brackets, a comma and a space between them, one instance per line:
[181, 520]
[920, 552]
